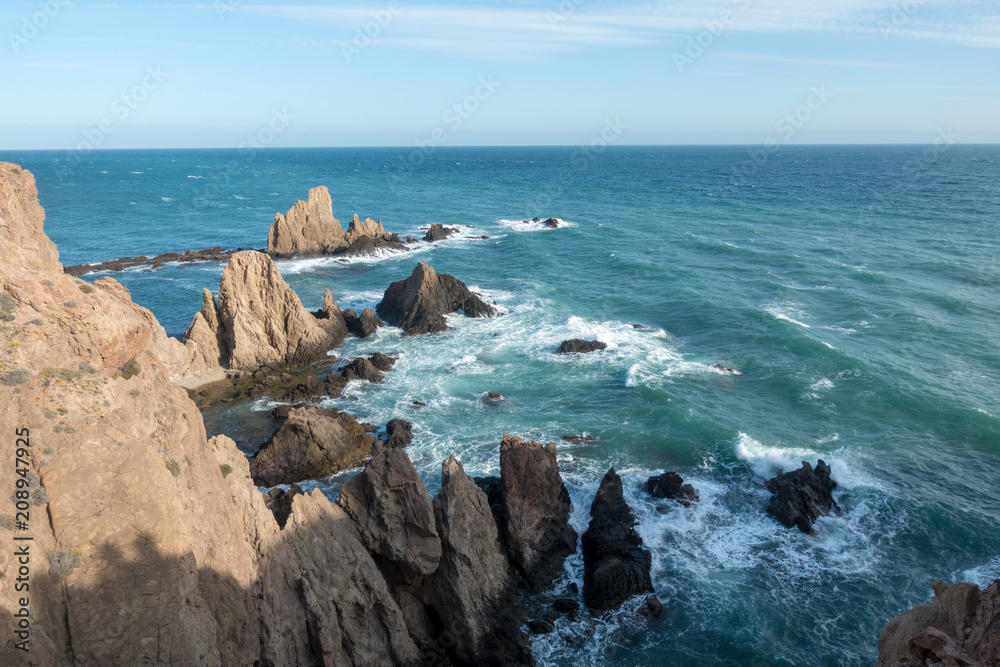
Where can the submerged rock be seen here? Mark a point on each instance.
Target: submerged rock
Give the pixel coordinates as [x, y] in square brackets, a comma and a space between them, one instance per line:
[419, 303]
[960, 626]
[671, 485]
[800, 497]
[312, 443]
[492, 398]
[578, 345]
[615, 565]
[216, 254]
[536, 509]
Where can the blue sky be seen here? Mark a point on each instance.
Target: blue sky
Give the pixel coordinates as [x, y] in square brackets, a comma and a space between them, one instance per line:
[390, 73]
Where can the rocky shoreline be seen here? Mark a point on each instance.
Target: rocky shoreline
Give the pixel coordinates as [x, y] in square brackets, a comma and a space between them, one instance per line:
[181, 558]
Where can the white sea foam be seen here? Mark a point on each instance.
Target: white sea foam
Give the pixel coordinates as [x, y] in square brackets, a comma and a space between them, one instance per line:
[821, 384]
[532, 226]
[196, 177]
[167, 198]
[778, 313]
[766, 460]
[982, 575]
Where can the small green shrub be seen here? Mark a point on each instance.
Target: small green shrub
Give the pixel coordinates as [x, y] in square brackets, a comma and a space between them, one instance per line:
[87, 368]
[69, 429]
[135, 393]
[39, 497]
[7, 302]
[7, 521]
[130, 370]
[47, 283]
[51, 414]
[174, 468]
[7, 316]
[87, 289]
[62, 562]
[226, 469]
[38, 321]
[70, 304]
[15, 377]
[16, 170]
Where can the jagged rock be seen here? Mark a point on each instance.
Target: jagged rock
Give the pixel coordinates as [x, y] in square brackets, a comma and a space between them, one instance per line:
[279, 502]
[331, 318]
[312, 443]
[615, 565]
[399, 432]
[362, 369]
[364, 325]
[473, 585]
[960, 626]
[308, 228]
[800, 497]
[580, 346]
[313, 389]
[551, 223]
[671, 485]
[216, 254]
[438, 232]
[259, 320]
[382, 362]
[536, 508]
[392, 511]
[419, 303]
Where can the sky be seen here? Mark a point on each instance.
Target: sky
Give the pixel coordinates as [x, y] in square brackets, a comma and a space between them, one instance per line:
[227, 73]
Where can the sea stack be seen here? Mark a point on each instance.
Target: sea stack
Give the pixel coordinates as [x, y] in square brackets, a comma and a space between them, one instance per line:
[419, 303]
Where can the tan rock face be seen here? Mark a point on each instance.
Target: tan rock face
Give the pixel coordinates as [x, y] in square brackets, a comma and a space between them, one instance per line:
[308, 228]
[357, 230]
[259, 320]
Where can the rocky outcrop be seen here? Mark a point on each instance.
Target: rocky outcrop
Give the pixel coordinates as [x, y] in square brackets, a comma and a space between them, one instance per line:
[330, 317]
[419, 303]
[960, 626]
[615, 565]
[671, 485]
[392, 511]
[216, 254]
[580, 346]
[260, 321]
[382, 362]
[362, 369]
[314, 389]
[363, 325]
[437, 232]
[309, 228]
[472, 588]
[536, 509]
[800, 497]
[399, 433]
[311, 443]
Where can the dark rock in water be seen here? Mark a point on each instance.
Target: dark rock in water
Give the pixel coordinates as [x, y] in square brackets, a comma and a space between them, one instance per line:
[731, 371]
[615, 566]
[551, 223]
[399, 432]
[216, 254]
[636, 325]
[671, 485]
[365, 246]
[438, 232]
[564, 605]
[472, 589]
[578, 345]
[279, 502]
[382, 362]
[960, 626]
[800, 497]
[653, 607]
[313, 389]
[419, 303]
[363, 325]
[362, 369]
[392, 511]
[493, 398]
[311, 443]
[536, 508]
[577, 439]
[539, 627]
[419, 404]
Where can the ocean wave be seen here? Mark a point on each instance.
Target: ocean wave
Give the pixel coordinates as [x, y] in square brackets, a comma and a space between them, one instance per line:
[782, 313]
[532, 226]
[767, 460]
[167, 198]
[821, 384]
[196, 177]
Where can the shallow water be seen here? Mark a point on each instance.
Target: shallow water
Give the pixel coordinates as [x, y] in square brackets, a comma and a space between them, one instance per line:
[854, 287]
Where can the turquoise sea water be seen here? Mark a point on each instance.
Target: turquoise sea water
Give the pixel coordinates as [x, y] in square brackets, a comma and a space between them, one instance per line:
[856, 288]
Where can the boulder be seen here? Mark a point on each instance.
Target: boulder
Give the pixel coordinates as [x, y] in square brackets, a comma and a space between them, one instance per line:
[472, 589]
[308, 228]
[578, 345]
[362, 369]
[363, 325]
[393, 515]
[311, 443]
[419, 303]
[399, 433]
[551, 223]
[438, 232]
[671, 485]
[800, 497]
[259, 320]
[615, 565]
[960, 626]
[536, 509]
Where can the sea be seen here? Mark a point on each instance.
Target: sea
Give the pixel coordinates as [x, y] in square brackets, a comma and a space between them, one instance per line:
[856, 289]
